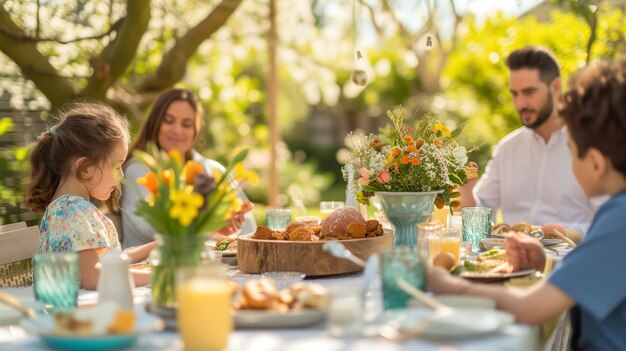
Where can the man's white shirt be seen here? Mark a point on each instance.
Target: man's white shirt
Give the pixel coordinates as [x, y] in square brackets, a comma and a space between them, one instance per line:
[532, 181]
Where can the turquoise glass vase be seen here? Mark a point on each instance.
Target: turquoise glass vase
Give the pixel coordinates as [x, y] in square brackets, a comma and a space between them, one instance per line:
[405, 210]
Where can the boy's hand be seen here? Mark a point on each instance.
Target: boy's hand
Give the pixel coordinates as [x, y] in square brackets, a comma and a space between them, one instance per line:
[524, 252]
[441, 282]
[574, 235]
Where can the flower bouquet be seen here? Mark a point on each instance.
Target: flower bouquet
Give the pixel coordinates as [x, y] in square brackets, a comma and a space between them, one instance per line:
[425, 159]
[184, 205]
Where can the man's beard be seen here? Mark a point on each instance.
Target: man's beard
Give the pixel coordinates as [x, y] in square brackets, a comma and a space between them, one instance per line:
[543, 115]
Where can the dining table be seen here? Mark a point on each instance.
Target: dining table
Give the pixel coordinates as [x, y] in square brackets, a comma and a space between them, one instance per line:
[511, 337]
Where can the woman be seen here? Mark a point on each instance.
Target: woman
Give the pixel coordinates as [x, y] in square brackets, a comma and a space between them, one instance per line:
[173, 123]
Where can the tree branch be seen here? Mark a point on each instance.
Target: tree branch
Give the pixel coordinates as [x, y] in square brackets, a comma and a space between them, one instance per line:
[115, 57]
[173, 66]
[23, 36]
[33, 64]
[372, 13]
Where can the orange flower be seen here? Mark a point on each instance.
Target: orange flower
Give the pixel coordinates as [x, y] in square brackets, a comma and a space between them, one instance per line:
[167, 176]
[175, 156]
[415, 161]
[408, 139]
[405, 160]
[411, 148]
[191, 170]
[149, 181]
[395, 151]
[419, 143]
[438, 142]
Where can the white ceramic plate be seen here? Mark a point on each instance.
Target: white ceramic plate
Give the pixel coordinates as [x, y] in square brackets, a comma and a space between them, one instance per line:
[43, 326]
[462, 323]
[461, 301]
[492, 277]
[291, 319]
[490, 243]
[544, 241]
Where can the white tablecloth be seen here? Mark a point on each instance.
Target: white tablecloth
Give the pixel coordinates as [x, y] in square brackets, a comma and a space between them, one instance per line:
[514, 337]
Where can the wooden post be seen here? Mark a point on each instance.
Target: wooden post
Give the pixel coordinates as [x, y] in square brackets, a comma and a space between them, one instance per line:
[272, 92]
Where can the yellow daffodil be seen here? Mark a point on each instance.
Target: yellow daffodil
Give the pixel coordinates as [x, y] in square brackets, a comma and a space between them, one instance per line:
[242, 174]
[185, 205]
[191, 170]
[217, 174]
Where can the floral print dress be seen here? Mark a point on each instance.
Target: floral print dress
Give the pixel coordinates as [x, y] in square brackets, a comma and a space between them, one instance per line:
[72, 224]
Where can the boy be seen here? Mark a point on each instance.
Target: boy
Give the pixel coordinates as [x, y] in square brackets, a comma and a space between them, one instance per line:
[587, 281]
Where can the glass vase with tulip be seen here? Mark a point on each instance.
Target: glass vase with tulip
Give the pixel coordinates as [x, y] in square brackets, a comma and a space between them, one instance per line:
[184, 205]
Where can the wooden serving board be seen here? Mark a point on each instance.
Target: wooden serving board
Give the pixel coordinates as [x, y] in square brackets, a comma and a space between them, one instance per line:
[308, 257]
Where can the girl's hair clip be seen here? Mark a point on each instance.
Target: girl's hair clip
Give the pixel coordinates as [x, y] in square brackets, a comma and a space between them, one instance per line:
[53, 130]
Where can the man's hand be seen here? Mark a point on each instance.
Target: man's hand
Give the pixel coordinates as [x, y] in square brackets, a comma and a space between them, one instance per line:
[524, 252]
[237, 219]
[574, 235]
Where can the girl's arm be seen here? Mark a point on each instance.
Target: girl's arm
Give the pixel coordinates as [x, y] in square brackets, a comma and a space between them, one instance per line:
[535, 305]
[140, 253]
[89, 270]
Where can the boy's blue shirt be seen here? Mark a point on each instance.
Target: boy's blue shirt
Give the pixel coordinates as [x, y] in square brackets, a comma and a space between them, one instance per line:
[593, 275]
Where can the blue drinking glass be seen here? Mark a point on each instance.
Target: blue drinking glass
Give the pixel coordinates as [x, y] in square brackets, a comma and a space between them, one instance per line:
[401, 262]
[55, 278]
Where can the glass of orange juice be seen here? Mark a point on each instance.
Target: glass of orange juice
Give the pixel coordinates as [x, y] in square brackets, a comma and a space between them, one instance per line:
[327, 207]
[204, 304]
[451, 242]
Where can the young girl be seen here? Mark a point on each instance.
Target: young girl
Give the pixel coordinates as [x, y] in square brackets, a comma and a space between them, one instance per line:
[78, 159]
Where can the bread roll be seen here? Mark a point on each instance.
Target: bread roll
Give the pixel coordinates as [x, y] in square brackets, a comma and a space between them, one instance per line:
[336, 223]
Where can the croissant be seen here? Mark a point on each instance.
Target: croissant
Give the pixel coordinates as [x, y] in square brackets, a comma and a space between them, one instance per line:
[300, 234]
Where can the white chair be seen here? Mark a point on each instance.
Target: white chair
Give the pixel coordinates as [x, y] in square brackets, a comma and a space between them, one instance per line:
[17, 247]
[13, 226]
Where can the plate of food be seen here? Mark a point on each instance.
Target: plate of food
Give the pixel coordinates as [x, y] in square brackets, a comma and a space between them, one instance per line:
[101, 327]
[462, 323]
[260, 305]
[482, 268]
[499, 230]
[227, 245]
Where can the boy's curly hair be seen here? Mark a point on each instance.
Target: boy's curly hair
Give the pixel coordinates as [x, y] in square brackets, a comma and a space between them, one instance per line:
[594, 109]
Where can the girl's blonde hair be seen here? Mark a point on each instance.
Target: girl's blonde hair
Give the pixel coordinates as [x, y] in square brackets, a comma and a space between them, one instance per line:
[89, 130]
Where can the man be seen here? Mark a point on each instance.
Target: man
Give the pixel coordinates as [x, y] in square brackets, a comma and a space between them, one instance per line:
[530, 177]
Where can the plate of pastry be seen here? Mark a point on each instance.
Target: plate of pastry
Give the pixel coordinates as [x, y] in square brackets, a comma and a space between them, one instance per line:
[260, 305]
[101, 327]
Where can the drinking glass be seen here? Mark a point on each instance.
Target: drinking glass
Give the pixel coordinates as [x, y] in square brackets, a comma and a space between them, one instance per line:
[466, 249]
[451, 242]
[277, 218]
[455, 220]
[345, 310]
[327, 207]
[401, 262]
[429, 239]
[476, 225]
[56, 280]
[309, 220]
[204, 298]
